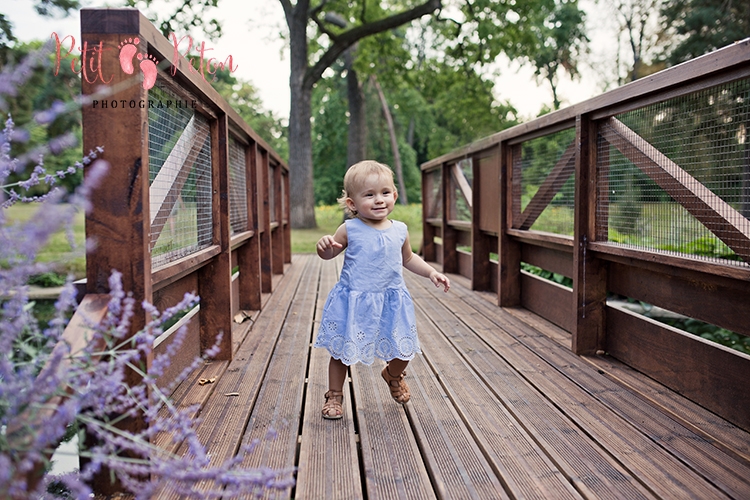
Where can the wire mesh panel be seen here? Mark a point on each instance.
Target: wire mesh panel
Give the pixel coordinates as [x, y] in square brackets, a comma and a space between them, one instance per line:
[180, 178]
[238, 192]
[544, 173]
[675, 176]
[461, 181]
[433, 202]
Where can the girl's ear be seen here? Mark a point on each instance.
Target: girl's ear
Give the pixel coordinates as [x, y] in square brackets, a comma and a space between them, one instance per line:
[395, 194]
[350, 205]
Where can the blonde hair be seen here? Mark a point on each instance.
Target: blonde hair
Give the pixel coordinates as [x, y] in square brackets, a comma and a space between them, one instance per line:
[355, 176]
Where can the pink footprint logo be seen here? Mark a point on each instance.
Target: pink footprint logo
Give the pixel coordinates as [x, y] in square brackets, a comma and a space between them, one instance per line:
[128, 48]
[148, 68]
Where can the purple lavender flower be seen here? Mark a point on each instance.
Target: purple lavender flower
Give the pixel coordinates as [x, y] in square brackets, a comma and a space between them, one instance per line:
[46, 387]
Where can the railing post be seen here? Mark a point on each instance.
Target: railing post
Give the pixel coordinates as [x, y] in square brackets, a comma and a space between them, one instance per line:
[428, 230]
[278, 231]
[215, 278]
[286, 208]
[509, 250]
[590, 280]
[249, 253]
[118, 221]
[480, 243]
[266, 270]
[450, 256]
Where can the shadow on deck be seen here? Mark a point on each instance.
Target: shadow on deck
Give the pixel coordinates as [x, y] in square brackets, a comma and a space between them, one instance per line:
[500, 408]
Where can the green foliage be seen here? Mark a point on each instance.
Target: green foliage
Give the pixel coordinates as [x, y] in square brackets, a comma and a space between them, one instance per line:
[460, 108]
[709, 332]
[244, 99]
[66, 258]
[557, 44]
[702, 26]
[41, 91]
[43, 8]
[329, 132]
[47, 279]
[548, 275]
[181, 17]
[706, 246]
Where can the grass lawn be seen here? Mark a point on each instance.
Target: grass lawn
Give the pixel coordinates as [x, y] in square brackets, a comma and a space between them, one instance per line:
[58, 251]
[330, 217]
[69, 260]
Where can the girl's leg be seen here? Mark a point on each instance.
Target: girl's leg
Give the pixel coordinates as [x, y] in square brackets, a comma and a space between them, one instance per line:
[394, 374]
[397, 366]
[333, 409]
[336, 375]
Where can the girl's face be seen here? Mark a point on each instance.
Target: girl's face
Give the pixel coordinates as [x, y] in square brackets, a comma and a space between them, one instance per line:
[374, 198]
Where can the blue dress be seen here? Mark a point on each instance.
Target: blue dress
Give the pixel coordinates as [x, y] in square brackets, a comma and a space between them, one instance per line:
[369, 312]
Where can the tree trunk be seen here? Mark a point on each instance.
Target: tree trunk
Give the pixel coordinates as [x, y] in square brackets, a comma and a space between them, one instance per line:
[356, 149]
[301, 192]
[394, 144]
[301, 80]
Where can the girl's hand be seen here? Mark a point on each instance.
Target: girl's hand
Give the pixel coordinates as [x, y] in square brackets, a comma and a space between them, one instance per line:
[440, 279]
[327, 245]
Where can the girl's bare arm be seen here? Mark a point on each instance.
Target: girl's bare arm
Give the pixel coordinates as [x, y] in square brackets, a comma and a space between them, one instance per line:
[417, 265]
[329, 246]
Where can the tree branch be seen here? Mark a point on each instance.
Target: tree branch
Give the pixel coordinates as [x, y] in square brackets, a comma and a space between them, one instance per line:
[352, 36]
[316, 10]
[323, 29]
[288, 10]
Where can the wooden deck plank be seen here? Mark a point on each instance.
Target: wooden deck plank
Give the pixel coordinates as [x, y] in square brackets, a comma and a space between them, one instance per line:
[680, 433]
[722, 434]
[692, 452]
[727, 437]
[190, 394]
[501, 408]
[593, 473]
[224, 417]
[328, 461]
[522, 466]
[655, 467]
[391, 459]
[450, 451]
[274, 424]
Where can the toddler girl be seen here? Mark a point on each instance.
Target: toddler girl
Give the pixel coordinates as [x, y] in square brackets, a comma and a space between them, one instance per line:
[369, 312]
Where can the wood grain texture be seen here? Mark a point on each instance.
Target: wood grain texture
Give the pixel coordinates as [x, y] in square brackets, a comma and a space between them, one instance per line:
[501, 408]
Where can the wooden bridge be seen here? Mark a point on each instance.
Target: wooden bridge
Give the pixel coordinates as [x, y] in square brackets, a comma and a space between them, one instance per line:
[527, 388]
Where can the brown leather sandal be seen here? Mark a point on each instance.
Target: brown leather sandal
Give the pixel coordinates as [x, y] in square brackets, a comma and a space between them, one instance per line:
[399, 389]
[332, 409]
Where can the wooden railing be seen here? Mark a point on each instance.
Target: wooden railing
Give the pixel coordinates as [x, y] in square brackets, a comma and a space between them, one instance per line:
[481, 213]
[193, 201]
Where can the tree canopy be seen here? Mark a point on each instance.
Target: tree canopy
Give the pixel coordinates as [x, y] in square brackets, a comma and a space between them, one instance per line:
[430, 60]
[700, 26]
